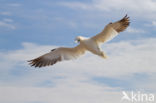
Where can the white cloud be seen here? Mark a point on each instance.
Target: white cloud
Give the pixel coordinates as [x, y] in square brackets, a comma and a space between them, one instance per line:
[7, 20]
[125, 50]
[139, 8]
[75, 5]
[154, 23]
[72, 80]
[5, 13]
[82, 93]
[66, 92]
[134, 30]
[14, 4]
[138, 5]
[5, 24]
[119, 55]
[67, 22]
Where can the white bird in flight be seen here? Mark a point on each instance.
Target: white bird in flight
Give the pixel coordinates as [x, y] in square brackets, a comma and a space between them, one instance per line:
[85, 44]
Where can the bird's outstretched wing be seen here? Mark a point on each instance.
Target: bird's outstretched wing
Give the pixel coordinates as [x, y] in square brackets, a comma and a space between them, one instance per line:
[111, 30]
[56, 55]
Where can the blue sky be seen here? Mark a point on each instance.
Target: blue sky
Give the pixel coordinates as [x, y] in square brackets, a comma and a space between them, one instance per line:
[48, 22]
[29, 28]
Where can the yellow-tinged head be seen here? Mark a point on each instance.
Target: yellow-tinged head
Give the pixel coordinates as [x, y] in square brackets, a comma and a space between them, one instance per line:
[79, 39]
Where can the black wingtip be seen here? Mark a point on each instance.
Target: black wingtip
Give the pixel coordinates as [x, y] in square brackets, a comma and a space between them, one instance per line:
[29, 60]
[126, 16]
[53, 49]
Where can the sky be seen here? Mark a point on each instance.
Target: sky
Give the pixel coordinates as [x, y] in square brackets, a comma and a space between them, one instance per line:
[30, 28]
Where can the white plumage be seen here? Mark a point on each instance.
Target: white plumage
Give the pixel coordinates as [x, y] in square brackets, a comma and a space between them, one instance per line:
[85, 44]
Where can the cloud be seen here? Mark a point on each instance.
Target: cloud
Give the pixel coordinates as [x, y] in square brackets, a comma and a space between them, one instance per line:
[154, 23]
[14, 4]
[151, 25]
[124, 50]
[134, 7]
[5, 13]
[80, 93]
[75, 5]
[138, 5]
[134, 30]
[7, 20]
[130, 66]
[128, 61]
[6, 24]
[65, 21]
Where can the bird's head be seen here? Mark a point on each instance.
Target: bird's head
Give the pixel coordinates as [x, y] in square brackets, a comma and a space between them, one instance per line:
[78, 39]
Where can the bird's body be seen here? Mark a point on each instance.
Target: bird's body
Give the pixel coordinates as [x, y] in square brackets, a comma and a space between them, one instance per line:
[85, 44]
[91, 45]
